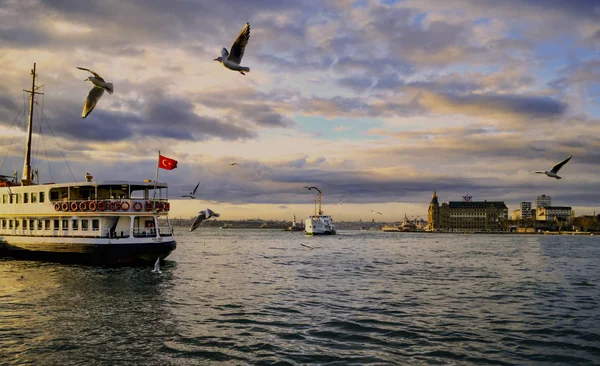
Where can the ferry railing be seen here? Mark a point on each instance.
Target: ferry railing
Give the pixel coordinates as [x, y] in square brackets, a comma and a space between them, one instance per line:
[113, 205]
[88, 232]
[144, 232]
[165, 231]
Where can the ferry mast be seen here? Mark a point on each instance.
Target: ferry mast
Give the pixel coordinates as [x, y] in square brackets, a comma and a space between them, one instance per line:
[319, 197]
[27, 178]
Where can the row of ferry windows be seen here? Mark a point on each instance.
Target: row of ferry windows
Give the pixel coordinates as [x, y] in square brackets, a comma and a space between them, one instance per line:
[31, 224]
[24, 198]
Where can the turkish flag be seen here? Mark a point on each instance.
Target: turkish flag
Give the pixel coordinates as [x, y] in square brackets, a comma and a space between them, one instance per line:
[166, 163]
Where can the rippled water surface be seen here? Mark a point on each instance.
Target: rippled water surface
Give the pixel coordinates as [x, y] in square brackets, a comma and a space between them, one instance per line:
[260, 297]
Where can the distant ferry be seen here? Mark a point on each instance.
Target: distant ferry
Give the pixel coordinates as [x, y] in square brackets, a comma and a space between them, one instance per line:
[319, 224]
[101, 222]
[404, 227]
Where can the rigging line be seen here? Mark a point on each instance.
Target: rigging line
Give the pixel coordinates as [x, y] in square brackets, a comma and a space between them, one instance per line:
[37, 148]
[12, 138]
[61, 152]
[7, 152]
[14, 120]
[47, 158]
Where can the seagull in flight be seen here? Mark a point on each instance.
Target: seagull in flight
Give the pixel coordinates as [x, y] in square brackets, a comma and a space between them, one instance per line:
[192, 194]
[94, 95]
[232, 164]
[376, 212]
[203, 215]
[232, 60]
[554, 172]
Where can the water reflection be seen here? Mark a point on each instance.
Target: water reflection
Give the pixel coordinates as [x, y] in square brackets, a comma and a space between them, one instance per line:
[68, 312]
[248, 297]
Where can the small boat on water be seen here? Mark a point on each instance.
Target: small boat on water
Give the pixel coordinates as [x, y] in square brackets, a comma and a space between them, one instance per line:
[319, 224]
[110, 222]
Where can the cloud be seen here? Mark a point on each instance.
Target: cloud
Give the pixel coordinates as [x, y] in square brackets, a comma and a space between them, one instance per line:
[492, 89]
[341, 128]
[525, 106]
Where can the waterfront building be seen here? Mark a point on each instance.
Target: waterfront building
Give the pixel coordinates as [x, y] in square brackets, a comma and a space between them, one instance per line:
[525, 210]
[471, 216]
[555, 213]
[516, 214]
[543, 201]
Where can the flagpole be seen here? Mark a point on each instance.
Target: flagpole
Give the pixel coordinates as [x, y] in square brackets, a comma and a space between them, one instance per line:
[156, 180]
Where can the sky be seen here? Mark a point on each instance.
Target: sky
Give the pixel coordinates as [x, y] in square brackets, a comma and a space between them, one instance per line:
[377, 103]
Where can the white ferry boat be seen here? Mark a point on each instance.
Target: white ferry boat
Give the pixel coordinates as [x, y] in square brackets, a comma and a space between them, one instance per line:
[101, 222]
[319, 224]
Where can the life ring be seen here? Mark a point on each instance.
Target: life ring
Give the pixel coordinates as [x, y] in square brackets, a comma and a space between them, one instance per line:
[57, 206]
[93, 206]
[137, 206]
[74, 206]
[101, 205]
[82, 206]
[125, 206]
[167, 206]
[158, 206]
[148, 206]
[65, 206]
[113, 205]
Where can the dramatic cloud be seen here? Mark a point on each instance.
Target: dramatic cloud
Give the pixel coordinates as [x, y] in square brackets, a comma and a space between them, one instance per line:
[377, 101]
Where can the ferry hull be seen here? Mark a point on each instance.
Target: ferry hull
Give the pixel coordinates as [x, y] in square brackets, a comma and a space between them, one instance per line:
[85, 253]
[321, 233]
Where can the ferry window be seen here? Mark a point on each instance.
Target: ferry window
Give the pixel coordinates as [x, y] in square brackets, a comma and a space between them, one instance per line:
[40, 223]
[84, 225]
[25, 224]
[47, 224]
[61, 193]
[10, 224]
[18, 198]
[42, 196]
[10, 198]
[33, 197]
[95, 224]
[4, 224]
[26, 197]
[4, 198]
[65, 224]
[17, 224]
[113, 191]
[56, 223]
[75, 222]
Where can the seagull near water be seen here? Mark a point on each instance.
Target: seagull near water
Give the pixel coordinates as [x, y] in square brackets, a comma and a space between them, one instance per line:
[157, 266]
[554, 172]
[232, 60]
[192, 194]
[203, 215]
[94, 95]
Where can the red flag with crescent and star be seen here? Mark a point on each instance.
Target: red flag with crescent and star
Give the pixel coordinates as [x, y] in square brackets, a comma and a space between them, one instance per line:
[166, 163]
